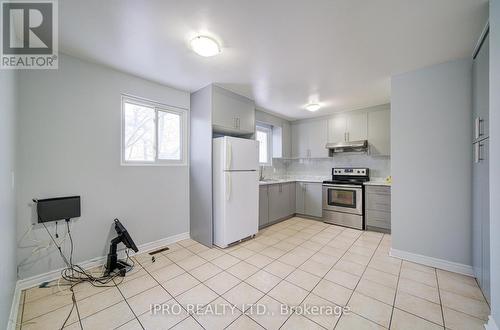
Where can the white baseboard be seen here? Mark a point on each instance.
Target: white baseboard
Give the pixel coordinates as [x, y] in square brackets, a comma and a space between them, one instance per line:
[451, 266]
[95, 262]
[14, 308]
[491, 325]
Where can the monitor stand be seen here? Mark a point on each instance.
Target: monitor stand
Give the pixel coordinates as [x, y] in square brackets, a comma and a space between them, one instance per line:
[113, 262]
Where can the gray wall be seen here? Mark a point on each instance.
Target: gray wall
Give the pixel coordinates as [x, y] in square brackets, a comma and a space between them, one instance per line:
[69, 144]
[431, 161]
[495, 157]
[8, 99]
[200, 168]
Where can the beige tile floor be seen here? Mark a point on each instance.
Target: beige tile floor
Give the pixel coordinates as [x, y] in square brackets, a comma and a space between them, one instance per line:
[298, 262]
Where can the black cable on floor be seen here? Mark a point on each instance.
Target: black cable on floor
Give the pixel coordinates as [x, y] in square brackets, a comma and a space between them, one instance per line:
[75, 274]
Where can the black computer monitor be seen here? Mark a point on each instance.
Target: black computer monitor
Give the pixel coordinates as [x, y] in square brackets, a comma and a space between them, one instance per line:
[113, 263]
[60, 208]
[123, 233]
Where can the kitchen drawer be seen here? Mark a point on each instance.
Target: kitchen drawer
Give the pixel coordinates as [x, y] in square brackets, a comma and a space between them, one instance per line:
[379, 190]
[378, 219]
[378, 202]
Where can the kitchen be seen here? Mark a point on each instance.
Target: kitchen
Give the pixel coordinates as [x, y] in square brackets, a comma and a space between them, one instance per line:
[297, 161]
[295, 178]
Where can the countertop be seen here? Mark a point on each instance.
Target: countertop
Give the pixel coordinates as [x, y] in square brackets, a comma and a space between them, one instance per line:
[377, 183]
[275, 181]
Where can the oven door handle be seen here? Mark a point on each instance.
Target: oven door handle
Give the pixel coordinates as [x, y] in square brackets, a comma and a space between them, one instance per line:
[342, 186]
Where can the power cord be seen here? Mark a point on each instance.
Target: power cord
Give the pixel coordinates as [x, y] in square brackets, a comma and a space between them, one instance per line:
[75, 274]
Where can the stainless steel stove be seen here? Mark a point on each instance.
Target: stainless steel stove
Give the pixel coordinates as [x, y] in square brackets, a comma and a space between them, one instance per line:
[343, 197]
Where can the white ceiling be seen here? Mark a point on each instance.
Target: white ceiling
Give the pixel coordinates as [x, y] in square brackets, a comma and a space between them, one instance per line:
[281, 53]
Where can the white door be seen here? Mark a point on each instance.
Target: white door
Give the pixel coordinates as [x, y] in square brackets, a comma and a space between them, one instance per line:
[357, 127]
[337, 129]
[240, 154]
[241, 210]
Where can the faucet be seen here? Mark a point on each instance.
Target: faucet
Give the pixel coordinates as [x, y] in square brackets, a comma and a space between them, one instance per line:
[261, 173]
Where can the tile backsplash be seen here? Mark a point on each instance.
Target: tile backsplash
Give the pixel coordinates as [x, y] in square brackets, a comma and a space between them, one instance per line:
[380, 167]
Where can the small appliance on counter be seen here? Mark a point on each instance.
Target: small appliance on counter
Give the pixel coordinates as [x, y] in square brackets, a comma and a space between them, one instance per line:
[343, 197]
[235, 189]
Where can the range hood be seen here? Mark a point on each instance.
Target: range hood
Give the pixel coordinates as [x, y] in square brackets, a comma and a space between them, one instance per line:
[350, 146]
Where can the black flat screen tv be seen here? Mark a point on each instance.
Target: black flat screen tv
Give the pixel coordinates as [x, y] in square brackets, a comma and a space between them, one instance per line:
[60, 208]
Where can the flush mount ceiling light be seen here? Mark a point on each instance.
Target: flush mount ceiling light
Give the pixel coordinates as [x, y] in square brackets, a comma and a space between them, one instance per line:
[205, 46]
[313, 107]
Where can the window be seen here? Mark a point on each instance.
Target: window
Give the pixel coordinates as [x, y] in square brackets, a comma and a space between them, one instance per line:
[152, 133]
[264, 135]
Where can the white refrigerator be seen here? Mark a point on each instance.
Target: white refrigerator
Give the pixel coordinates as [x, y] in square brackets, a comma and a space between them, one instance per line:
[235, 189]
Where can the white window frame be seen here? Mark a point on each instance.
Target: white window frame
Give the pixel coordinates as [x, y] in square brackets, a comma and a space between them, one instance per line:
[269, 130]
[183, 113]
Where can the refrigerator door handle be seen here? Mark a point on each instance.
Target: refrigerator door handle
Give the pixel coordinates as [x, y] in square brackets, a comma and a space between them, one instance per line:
[229, 155]
[228, 186]
[477, 152]
[480, 158]
[476, 129]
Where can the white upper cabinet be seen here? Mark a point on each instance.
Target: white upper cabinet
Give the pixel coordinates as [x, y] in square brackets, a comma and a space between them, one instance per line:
[309, 139]
[286, 140]
[379, 132]
[337, 127]
[232, 113]
[348, 127]
[299, 141]
[317, 132]
[357, 127]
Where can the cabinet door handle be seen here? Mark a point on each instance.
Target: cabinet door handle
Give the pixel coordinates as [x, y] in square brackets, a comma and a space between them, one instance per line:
[478, 125]
[345, 136]
[477, 152]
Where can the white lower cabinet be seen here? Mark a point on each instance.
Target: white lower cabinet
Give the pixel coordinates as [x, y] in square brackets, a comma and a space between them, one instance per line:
[308, 199]
[276, 202]
[263, 206]
[378, 208]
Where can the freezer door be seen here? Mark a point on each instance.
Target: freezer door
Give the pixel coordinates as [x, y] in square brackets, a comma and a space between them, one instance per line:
[241, 211]
[240, 154]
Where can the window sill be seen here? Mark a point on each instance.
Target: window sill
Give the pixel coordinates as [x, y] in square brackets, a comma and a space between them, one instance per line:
[153, 164]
